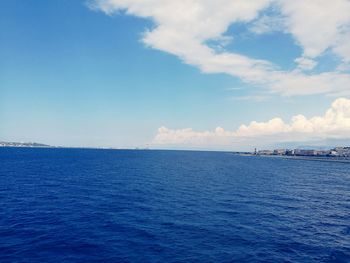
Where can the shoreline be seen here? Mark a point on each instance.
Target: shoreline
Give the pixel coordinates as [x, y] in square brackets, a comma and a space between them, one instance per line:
[244, 154]
[305, 158]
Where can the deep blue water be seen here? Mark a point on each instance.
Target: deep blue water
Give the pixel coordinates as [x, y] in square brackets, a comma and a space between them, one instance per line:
[75, 205]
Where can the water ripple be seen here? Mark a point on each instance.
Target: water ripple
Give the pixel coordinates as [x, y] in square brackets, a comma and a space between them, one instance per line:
[74, 205]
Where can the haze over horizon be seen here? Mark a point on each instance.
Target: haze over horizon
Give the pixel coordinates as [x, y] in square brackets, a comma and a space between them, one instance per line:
[216, 75]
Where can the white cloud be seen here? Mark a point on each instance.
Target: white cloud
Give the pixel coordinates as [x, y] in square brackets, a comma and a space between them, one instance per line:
[190, 137]
[318, 25]
[257, 98]
[267, 24]
[343, 67]
[305, 63]
[342, 47]
[335, 124]
[184, 27]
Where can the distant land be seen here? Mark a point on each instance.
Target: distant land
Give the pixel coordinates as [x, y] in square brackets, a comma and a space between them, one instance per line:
[337, 154]
[23, 144]
[334, 152]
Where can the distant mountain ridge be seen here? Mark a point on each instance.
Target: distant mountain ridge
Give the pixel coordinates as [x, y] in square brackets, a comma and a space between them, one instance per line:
[22, 144]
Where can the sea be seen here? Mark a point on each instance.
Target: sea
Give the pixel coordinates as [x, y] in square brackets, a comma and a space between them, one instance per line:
[92, 205]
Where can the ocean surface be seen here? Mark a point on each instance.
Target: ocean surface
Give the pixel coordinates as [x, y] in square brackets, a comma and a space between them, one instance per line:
[85, 205]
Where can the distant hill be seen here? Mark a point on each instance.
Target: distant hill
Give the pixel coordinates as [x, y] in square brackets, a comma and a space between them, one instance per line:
[22, 144]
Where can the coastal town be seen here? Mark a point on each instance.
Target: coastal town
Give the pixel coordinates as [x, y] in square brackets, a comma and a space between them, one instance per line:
[334, 152]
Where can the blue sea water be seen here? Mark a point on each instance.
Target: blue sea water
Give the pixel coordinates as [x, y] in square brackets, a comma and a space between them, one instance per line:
[81, 205]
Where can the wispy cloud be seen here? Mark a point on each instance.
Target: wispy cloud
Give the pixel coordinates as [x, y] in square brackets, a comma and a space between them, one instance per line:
[257, 98]
[183, 28]
[236, 88]
[305, 63]
[267, 24]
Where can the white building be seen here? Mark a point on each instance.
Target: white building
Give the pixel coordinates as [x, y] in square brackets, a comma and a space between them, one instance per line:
[302, 152]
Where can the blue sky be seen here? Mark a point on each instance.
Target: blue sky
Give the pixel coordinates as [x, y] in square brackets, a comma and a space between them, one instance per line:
[78, 73]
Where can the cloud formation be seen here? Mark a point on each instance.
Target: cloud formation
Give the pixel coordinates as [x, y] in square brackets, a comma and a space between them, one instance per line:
[334, 124]
[319, 25]
[184, 27]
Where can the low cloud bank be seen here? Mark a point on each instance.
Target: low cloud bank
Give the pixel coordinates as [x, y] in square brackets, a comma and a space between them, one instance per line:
[334, 124]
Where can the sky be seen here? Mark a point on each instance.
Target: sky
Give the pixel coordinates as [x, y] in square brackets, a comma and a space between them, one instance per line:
[186, 74]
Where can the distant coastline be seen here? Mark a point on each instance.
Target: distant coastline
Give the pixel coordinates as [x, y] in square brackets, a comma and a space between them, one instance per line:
[337, 154]
[25, 144]
[306, 158]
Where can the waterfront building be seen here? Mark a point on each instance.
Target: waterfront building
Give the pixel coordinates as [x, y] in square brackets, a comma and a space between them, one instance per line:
[265, 152]
[334, 153]
[342, 151]
[289, 152]
[322, 153]
[302, 152]
[279, 152]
